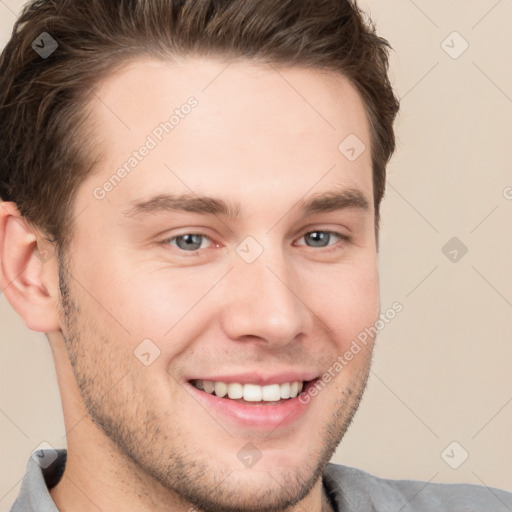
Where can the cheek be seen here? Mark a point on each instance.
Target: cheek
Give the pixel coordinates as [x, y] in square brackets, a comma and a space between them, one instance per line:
[146, 299]
[347, 300]
[147, 308]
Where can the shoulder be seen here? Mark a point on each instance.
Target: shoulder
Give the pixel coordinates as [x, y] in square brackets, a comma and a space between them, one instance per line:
[355, 489]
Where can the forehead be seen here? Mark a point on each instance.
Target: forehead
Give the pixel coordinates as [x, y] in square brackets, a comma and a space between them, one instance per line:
[221, 127]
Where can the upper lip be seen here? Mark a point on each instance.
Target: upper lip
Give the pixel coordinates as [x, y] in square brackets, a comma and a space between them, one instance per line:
[258, 377]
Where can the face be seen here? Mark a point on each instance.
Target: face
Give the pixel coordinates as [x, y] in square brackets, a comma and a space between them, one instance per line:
[253, 289]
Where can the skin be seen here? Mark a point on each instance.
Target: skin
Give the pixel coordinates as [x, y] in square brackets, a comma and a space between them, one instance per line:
[136, 438]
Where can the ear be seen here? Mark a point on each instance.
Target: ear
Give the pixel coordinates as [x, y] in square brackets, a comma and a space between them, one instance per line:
[28, 271]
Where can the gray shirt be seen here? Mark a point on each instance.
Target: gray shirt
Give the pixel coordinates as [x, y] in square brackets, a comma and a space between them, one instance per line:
[349, 489]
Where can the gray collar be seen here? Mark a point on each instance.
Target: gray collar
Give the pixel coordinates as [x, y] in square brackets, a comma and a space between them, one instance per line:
[39, 477]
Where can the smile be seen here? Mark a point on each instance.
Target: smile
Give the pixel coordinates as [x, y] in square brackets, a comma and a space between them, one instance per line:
[251, 392]
[253, 406]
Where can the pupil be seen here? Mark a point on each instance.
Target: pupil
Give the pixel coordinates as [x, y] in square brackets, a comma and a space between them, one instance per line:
[189, 241]
[317, 236]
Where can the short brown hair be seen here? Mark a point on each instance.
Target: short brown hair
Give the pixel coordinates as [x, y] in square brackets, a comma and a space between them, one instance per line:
[46, 147]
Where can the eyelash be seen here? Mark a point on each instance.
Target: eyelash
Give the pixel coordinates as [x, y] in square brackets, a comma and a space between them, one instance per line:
[342, 237]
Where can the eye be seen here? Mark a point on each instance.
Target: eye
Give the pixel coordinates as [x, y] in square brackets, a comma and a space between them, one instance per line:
[321, 238]
[189, 242]
[192, 242]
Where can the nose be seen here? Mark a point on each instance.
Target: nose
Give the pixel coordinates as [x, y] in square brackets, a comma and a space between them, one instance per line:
[264, 303]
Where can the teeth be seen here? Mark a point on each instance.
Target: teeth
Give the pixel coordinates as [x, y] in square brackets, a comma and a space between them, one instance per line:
[251, 392]
[221, 389]
[271, 393]
[285, 390]
[208, 386]
[235, 391]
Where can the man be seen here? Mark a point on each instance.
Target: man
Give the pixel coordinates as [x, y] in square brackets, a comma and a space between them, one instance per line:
[191, 209]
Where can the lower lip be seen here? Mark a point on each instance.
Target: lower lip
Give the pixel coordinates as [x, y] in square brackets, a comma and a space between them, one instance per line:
[262, 416]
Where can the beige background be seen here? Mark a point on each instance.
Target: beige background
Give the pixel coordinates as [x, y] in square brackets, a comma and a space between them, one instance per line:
[442, 366]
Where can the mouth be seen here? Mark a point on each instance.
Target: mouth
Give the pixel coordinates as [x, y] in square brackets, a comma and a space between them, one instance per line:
[252, 400]
[253, 407]
[253, 394]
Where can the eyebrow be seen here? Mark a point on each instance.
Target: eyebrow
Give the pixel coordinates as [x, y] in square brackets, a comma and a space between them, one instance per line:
[324, 202]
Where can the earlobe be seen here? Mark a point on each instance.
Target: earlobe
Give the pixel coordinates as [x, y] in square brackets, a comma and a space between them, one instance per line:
[28, 272]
